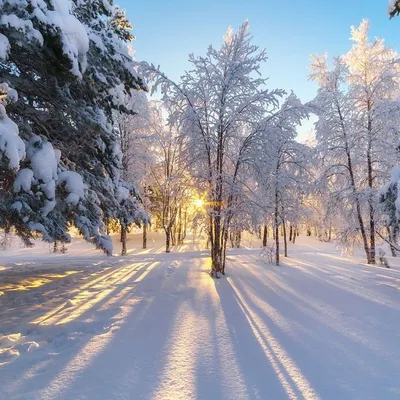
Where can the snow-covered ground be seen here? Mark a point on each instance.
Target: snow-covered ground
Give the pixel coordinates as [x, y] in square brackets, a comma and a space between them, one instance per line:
[155, 326]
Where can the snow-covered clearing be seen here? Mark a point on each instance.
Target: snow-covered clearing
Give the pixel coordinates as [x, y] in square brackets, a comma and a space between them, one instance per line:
[155, 326]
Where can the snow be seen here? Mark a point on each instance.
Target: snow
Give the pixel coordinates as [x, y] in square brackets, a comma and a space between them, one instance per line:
[49, 206]
[106, 244]
[25, 26]
[61, 6]
[35, 226]
[118, 94]
[73, 33]
[4, 47]
[11, 94]
[11, 145]
[123, 193]
[49, 189]
[155, 326]
[43, 159]
[17, 206]
[74, 185]
[395, 175]
[23, 180]
[75, 38]
[394, 180]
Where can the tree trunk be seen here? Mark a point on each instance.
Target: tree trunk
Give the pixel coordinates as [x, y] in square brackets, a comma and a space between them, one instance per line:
[285, 237]
[184, 225]
[372, 233]
[123, 240]
[145, 235]
[276, 240]
[167, 240]
[55, 246]
[353, 185]
[295, 234]
[290, 232]
[217, 247]
[180, 226]
[180, 240]
[370, 185]
[392, 241]
[210, 238]
[107, 223]
[225, 243]
[238, 239]
[276, 228]
[173, 235]
[224, 257]
[265, 235]
[362, 228]
[363, 232]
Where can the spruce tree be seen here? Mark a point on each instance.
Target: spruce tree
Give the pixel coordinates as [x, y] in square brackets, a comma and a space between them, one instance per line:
[70, 65]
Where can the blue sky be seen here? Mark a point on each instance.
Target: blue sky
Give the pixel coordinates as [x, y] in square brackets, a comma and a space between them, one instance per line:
[167, 31]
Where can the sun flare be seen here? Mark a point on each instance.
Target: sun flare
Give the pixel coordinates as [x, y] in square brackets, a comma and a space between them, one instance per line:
[199, 203]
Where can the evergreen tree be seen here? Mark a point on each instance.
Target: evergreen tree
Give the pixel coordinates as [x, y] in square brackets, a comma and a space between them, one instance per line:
[70, 64]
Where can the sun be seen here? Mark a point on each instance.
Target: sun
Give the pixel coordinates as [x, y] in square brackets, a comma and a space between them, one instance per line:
[199, 203]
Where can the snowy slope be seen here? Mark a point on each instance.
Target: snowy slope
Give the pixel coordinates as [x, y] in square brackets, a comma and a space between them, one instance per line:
[156, 326]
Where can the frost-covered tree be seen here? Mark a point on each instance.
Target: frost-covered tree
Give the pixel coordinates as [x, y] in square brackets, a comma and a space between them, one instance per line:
[70, 65]
[168, 175]
[219, 104]
[321, 212]
[373, 78]
[135, 138]
[281, 167]
[356, 131]
[337, 142]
